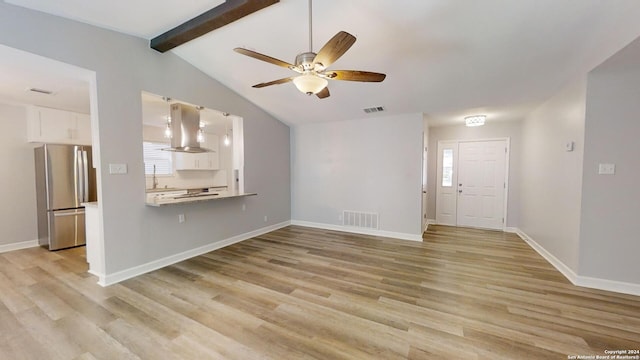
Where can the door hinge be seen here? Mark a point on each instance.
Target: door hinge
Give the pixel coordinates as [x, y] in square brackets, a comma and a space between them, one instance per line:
[504, 185]
[503, 220]
[505, 150]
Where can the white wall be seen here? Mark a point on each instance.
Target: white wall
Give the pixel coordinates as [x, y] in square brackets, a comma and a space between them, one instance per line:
[18, 221]
[135, 234]
[609, 232]
[491, 130]
[370, 165]
[551, 177]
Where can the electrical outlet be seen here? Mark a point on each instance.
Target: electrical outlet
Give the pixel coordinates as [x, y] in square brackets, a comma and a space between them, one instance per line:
[244, 207]
[340, 217]
[181, 218]
[265, 218]
[117, 169]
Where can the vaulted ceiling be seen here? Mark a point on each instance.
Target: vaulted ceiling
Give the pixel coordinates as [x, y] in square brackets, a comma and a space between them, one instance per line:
[444, 58]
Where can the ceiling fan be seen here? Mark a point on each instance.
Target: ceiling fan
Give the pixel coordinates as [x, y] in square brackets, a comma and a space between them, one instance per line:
[312, 68]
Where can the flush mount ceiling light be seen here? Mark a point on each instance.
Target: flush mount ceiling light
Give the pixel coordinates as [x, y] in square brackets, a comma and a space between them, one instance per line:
[475, 120]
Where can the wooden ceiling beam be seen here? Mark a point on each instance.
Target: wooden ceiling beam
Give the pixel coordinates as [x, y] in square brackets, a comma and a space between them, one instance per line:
[219, 16]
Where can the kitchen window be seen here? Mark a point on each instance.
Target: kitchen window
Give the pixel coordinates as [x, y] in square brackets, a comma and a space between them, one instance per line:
[154, 155]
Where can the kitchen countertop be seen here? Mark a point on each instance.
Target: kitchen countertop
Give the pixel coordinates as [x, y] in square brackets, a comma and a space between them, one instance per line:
[182, 199]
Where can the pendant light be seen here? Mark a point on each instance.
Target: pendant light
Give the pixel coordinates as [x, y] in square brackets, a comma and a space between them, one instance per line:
[227, 140]
[168, 133]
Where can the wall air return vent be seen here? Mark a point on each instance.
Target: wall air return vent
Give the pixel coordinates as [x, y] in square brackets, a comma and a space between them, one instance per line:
[374, 109]
[360, 219]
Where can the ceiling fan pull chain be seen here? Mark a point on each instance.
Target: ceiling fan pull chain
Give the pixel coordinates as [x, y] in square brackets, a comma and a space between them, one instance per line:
[310, 27]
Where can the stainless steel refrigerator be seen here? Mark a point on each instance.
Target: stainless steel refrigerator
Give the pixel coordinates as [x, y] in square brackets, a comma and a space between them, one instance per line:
[65, 178]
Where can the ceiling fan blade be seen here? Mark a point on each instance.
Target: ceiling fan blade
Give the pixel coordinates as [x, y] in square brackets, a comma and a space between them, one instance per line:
[354, 75]
[334, 48]
[274, 82]
[269, 59]
[324, 93]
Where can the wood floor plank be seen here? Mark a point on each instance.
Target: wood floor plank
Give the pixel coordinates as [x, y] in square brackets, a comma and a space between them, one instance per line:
[303, 293]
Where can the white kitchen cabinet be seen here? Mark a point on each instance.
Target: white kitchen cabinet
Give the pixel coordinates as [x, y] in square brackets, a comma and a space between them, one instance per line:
[46, 125]
[201, 161]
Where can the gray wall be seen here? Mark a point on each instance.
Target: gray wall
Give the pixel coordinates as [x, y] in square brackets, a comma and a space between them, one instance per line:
[610, 240]
[368, 165]
[133, 233]
[551, 177]
[17, 179]
[491, 130]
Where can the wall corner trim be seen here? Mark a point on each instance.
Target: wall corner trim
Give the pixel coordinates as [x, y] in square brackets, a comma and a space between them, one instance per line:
[18, 246]
[110, 279]
[349, 229]
[578, 280]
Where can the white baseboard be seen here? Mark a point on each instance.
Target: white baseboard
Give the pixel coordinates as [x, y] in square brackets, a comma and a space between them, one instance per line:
[431, 221]
[511, 230]
[349, 229]
[579, 280]
[110, 279]
[19, 246]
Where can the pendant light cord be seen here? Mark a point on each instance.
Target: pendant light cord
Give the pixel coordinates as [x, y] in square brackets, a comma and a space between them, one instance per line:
[310, 28]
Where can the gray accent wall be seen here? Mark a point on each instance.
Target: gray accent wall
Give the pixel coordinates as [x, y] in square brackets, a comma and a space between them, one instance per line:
[17, 179]
[367, 165]
[135, 234]
[491, 130]
[551, 184]
[609, 232]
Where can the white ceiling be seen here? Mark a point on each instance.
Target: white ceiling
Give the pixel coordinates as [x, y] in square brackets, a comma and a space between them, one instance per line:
[444, 58]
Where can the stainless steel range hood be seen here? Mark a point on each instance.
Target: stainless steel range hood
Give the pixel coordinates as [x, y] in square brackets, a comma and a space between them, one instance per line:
[185, 123]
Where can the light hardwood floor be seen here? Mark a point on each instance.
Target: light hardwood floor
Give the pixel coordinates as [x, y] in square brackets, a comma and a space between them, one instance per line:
[300, 293]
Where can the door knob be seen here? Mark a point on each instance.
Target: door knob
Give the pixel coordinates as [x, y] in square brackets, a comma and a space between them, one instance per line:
[460, 191]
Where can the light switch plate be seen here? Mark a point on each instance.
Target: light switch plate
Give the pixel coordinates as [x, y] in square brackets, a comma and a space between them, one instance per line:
[117, 169]
[606, 169]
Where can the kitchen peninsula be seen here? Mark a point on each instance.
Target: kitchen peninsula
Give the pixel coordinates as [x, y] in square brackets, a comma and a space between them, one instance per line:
[185, 196]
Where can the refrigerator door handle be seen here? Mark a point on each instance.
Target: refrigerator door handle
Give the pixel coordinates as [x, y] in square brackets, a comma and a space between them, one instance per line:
[77, 178]
[85, 182]
[74, 212]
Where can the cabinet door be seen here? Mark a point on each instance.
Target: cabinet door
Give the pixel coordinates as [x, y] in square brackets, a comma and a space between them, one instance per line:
[49, 125]
[213, 158]
[82, 129]
[185, 161]
[58, 126]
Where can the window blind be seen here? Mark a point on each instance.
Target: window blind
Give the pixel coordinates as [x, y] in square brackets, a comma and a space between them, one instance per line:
[154, 155]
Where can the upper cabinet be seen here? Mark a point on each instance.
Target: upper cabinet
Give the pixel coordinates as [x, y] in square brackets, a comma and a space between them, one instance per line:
[55, 126]
[201, 161]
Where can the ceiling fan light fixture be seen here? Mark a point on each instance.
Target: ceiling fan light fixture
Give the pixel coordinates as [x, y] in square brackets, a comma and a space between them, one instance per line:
[310, 84]
[475, 120]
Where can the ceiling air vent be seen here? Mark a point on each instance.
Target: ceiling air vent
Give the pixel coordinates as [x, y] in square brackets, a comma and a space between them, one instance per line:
[374, 109]
[40, 91]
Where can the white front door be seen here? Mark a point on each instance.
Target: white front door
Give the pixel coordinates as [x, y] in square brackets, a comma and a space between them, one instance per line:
[481, 184]
[471, 185]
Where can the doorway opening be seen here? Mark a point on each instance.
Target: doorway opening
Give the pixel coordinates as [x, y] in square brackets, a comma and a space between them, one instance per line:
[472, 183]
